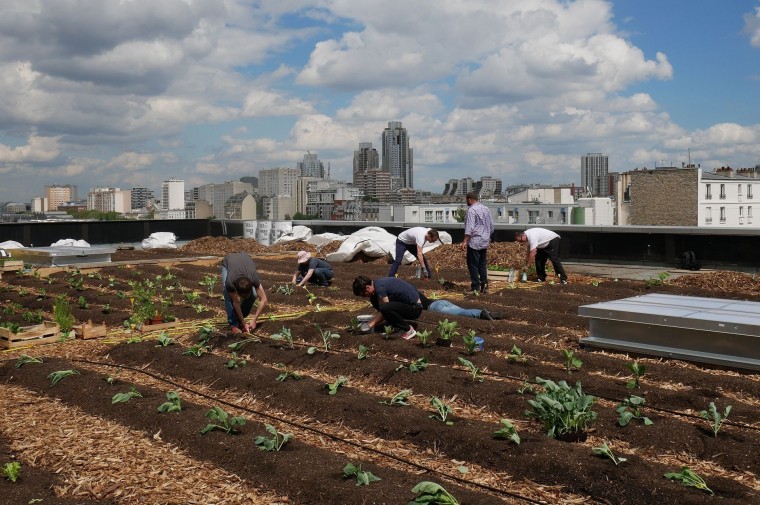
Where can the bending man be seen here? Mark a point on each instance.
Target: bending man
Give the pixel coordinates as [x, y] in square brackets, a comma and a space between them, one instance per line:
[241, 286]
[312, 270]
[395, 300]
[413, 240]
[543, 244]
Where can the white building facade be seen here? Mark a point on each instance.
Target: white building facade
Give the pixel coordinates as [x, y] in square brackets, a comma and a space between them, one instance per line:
[729, 198]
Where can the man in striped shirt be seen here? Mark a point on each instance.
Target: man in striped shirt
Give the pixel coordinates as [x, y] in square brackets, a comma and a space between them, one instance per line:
[478, 228]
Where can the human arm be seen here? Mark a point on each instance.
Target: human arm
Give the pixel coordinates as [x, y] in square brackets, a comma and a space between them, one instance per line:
[262, 295]
[295, 276]
[421, 259]
[307, 277]
[530, 257]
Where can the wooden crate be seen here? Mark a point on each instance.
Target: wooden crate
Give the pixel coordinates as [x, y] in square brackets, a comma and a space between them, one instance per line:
[89, 330]
[44, 333]
[502, 275]
[11, 265]
[161, 326]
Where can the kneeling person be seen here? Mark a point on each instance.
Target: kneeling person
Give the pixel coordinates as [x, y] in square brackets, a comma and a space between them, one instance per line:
[241, 286]
[312, 270]
[396, 301]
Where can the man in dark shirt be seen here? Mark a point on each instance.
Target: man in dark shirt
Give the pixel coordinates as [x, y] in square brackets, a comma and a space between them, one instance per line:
[241, 286]
[312, 270]
[395, 300]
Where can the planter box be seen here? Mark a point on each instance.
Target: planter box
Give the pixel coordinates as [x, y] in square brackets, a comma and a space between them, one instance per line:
[89, 330]
[160, 326]
[11, 266]
[44, 333]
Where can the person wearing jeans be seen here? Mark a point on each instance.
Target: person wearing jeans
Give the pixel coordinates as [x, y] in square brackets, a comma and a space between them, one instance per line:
[395, 300]
[413, 240]
[312, 270]
[241, 287]
[447, 307]
[478, 228]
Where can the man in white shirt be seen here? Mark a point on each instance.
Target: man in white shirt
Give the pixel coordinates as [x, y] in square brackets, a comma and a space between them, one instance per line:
[413, 240]
[542, 245]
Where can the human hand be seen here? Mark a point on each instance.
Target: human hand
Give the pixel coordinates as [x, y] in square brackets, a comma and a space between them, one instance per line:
[365, 328]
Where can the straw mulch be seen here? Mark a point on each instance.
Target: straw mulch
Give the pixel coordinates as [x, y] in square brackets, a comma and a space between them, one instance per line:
[504, 254]
[722, 281]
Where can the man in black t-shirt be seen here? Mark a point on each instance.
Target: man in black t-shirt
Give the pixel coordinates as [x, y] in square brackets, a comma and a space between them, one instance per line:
[241, 286]
[396, 301]
[312, 270]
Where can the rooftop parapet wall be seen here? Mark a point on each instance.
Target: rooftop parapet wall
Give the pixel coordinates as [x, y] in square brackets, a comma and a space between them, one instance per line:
[664, 197]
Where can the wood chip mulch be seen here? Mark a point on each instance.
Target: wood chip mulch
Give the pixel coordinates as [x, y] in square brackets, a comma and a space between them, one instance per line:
[723, 281]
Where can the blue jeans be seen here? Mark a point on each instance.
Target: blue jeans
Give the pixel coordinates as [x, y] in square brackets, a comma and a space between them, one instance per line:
[446, 307]
[245, 305]
[321, 275]
[401, 248]
[476, 264]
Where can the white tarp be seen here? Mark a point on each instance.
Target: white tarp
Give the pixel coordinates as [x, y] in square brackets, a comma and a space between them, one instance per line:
[160, 240]
[67, 242]
[297, 234]
[376, 242]
[10, 244]
[321, 239]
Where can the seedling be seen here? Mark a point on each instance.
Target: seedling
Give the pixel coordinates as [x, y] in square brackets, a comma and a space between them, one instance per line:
[605, 450]
[311, 298]
[238, 346]
[24, 359]
[134, 340]
[205, 333]
[562, 409]
[208, 282]
[106, 308]
[34, 316]
[715, 418]
[399, 398]
[82, 302]
[362, 478]
[341, 381]
[284, 289]
[630, 409]
[354, 325]
[275, 443]
[418, 365]
[192, 297]
[196, 350]
[658, 281]
[447, 329]
[112, 378]
[287, 374]
[423, 336]
[164, 340]
[13, 327]
[235, 362]
[526, 387]
[284, 334]
[387, 332]
[363, 351]
[638, 372]
[432, 493]
[56, 377]
[516, 354]
[571, 362]
[62, 314]
[507, 432]
[470, 346]
[125, 397]
[172, 403]
[474, 371]
[227, 423]
[198, 308]
[326, 335]
[11, 471]
[442, 411]
[690, 479]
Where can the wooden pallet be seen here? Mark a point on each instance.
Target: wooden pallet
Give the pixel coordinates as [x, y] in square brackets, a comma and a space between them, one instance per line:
[89, 330]
[44, 333]
[502, 275]
[11, 265]
[161, 326]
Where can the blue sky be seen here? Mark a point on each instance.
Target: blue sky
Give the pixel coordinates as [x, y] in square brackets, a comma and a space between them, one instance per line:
[130, 93]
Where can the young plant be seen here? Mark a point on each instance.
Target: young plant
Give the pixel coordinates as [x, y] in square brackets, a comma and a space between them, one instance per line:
[442, 411]
[399, 398]
[287, 374]
[311, 298]
[432, 493]
[630, 409]
[106, 308]
[34, 316]
[62, 314]
[11, 471]
[238, 346]
[205, 333]
[125, 397]
[689, 478]
[226, 423]
[341, 381]
[516, 354]
[418, 365]
[284, 289]
[235, 362]
[284, 334]
[638, 372]
[82, 303]
[571, 362]
[387, 332]
[192, 297]
[423, 336]
[134, 340]
[111, 379]
[164, 340]
[658, 281]
[477, 376]
[562, 409]
[196, 350]
[605, 450]
[507, 432]
[326, 335]
[209, 281]
[362, 478]
[276, 442]
[470, 346]
[56, 377]
[24, 359]
[363, 352]
[172, 403]
[353, 326]
[715, 418]
[447, 329]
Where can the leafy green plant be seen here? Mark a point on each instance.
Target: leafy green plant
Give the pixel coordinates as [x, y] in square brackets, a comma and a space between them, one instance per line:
[125, 397]
[172, 403]
[34, 317]
[11, 471]
[284, 334]
[111, 379]
[196, 350]
[418, 364]
[423, 336]
[571, 362]
[353, 326]
[76, 281]
[526, 387]
[605, 450]
[399, 398]
[432, 493]
[205, 333]
[106, 308]
[362, 478]
[516, 354]
[387, 332]
[209, 281]
[226, 423]
[56, 377]
[630, 409]
[470, 346]
[13, 327]
[287, 374]
[341, 381]
[283, 289]
[276, 442]
[638, 371]
[507, 431]
[363, 352]
[311, 298]
[164, 340]
[326, 335]
[657, 281]
[24, 359]
[477, 376]
[82, 303]
[442, 410]
[192, 297]
[235, 362]
[562, 409]
[715, 418]
[238, 346]
[447, 329]
[689, 478]
[134, 340]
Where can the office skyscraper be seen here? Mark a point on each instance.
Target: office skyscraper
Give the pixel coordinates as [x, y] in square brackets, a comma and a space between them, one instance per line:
[311, 166]
[594, 170]
[397, 155]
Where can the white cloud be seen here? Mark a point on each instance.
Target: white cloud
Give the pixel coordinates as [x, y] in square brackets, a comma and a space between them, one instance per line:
[38, 149]
[752, 26]
[261, 102]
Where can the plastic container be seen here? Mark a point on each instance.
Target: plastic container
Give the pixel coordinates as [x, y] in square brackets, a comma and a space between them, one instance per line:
[479, 343]
[511, 275]
[364, 318]
[524, 277]
[419, 272]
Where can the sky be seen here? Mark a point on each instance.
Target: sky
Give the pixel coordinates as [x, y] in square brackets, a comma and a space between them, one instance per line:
[129, 93]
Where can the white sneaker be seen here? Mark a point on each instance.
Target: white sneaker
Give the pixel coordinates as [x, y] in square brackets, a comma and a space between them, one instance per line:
[409, 334]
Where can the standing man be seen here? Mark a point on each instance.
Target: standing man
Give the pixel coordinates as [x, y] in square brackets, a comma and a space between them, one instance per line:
[395, 300]
[478, 229]
[413, 240]
[312, 270]
[241, 286]
[542, 245]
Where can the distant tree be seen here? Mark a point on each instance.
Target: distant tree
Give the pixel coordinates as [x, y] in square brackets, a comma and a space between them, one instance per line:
[459, 214]
[304, 217]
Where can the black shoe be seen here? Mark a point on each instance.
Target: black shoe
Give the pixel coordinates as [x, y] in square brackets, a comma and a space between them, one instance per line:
[484, 314]
[496, 315]
[484, 289]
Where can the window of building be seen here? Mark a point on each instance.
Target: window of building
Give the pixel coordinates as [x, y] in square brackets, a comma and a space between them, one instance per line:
[551, 214]
[708, 191]
[708, 215]
[749, 212]
[739, 189]
[723, 191]
[428, 216]
[749, 190]
[439, 216]
[722, 214]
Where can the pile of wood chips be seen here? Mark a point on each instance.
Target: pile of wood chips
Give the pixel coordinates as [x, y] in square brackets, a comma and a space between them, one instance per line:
[504, 254]
[720, 281]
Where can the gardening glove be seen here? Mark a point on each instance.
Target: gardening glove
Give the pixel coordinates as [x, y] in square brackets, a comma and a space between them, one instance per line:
[364, 328]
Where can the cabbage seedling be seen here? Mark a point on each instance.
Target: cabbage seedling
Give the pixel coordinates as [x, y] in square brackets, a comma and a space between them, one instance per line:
[227, 423]
[470, 346]
[363, 351]
[638, 372]
[571, 362]
[442, 411]
[399, 398]
[172, 403]
[714, 418]
[11, 471]
[362, 478]
[341, 381]
[164, 340]
[562, 409]
[432, 493]
[418, 365]
[284, 334]
[24, 359]
[507, 431]
[287, 374]
[423, 336]
[474, 371]
[516, 354]
[235, 362]
[125, 397]
[56, 377]
[605, 450]
[689, 478]
[630, 409]
[275, 443]
[196, 350]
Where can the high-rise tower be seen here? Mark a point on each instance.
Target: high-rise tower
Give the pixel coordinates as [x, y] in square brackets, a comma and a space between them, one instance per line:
[397, 155]
[311, 166]
[594, 173]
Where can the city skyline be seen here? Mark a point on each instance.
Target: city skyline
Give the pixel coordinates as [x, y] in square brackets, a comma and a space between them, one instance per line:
[130, 94]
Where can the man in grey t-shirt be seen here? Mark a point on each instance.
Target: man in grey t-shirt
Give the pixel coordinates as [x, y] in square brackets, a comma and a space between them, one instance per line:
[241, 285]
